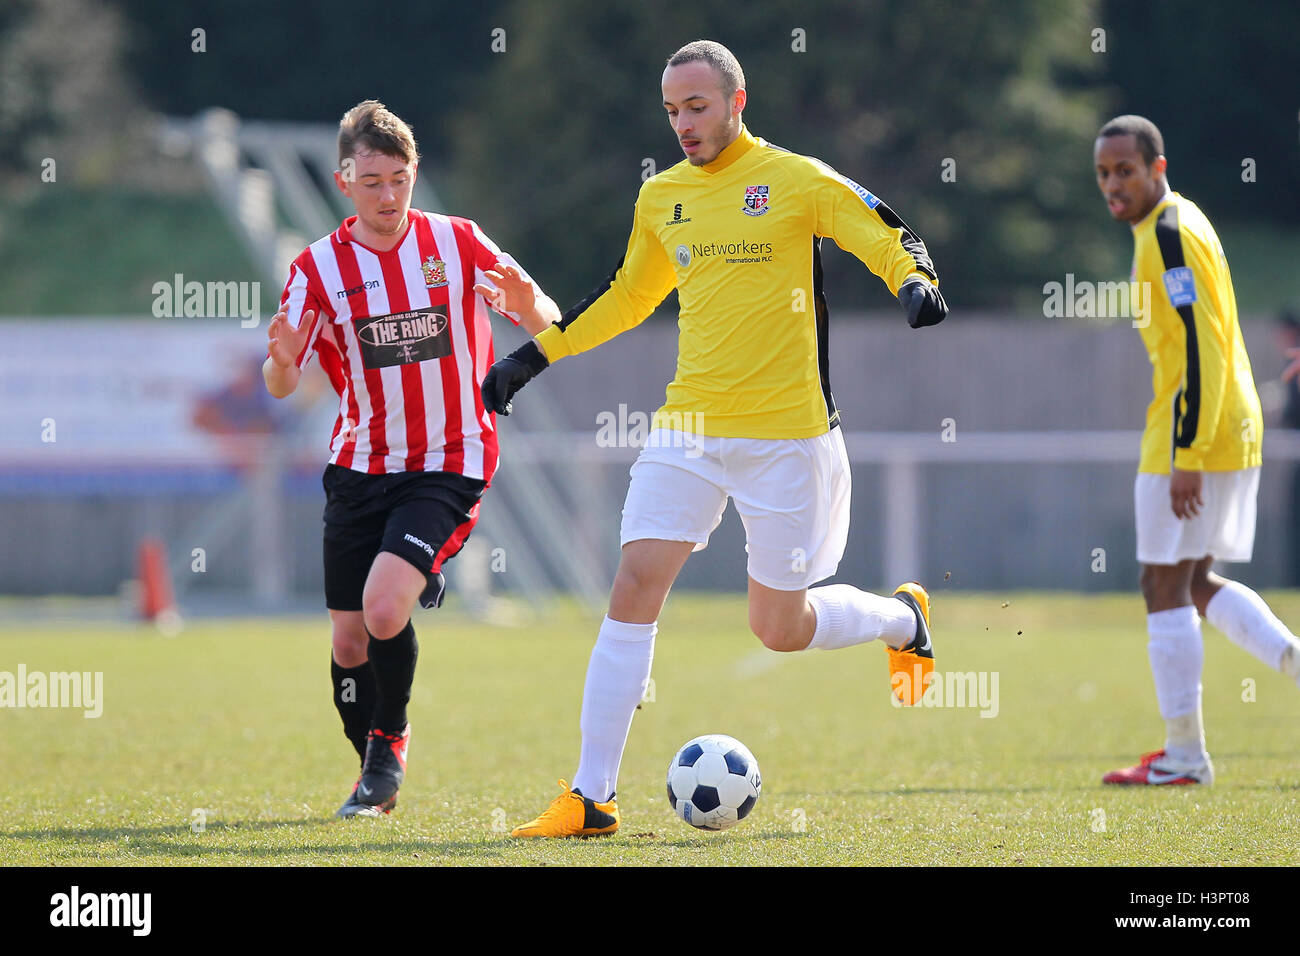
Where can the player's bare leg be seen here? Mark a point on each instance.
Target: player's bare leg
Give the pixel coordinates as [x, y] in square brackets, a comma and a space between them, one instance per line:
[782, 620]
[646, 572]
[348, 638]
[616, 680]
[354, 682]
[1243, 616]
[391, 591]
[392, 588]
[839, 615]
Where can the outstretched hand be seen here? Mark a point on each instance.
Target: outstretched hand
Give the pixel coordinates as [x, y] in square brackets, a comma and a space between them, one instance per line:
[513, 292]
[284, 342]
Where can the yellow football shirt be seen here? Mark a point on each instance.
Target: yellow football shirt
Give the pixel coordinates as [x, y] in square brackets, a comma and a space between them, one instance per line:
[740, 240]
[1204, 414]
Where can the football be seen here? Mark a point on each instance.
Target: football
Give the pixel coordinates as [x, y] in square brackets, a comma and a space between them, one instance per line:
[713, 782]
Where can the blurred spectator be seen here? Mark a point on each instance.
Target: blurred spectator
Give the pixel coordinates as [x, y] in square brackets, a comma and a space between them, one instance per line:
[240, 413]
[1288, 338]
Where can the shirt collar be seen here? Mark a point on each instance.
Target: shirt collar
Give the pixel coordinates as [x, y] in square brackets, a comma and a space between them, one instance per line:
[1169, 194]
[738, 148]
[344, 233]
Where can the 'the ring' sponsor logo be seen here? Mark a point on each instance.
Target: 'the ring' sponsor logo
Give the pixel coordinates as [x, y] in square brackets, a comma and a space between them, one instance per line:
[403, 337]
[683, 255]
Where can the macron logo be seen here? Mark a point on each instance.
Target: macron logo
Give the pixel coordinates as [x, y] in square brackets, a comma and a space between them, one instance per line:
[103, 909]
[419, 544]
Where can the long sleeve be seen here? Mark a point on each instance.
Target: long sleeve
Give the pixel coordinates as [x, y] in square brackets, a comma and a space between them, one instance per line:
[301, 295]
[860, 223]
[1200, 402]
[642, 280]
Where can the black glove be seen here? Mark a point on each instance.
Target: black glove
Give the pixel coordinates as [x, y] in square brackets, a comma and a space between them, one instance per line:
[923, 303]
[511, 374]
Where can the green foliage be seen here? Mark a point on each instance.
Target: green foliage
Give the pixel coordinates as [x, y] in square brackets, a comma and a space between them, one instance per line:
[545, 142]
[63, 91]
[884, 93]
[67, 251]
[1220, 80]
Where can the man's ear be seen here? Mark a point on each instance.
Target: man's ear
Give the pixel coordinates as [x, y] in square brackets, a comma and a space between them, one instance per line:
[738, 101]
[1159, 165]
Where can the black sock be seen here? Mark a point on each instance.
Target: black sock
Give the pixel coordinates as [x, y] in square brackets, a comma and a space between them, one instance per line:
[393, 663]
[355, 702]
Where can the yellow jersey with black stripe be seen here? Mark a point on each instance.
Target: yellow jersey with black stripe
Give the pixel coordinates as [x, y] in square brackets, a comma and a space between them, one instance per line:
[740, 239]
[1204, 414]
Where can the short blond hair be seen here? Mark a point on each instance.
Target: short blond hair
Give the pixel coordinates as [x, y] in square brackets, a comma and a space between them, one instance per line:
[371, 127]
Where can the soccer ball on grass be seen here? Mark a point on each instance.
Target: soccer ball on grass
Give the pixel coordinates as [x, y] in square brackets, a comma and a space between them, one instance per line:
[713, 782]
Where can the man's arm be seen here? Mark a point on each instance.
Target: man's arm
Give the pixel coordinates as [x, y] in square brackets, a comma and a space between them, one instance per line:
[1205, 343]
[862, 224]
[281, 371]
[513, 293]
[626, 298]
[290, 335]
[641, 280]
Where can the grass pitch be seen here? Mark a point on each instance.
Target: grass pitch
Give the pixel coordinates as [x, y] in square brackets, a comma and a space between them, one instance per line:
[220, 746]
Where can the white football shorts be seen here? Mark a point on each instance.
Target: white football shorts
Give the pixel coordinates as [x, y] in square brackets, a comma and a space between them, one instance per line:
[1225, 528]
[792, 495]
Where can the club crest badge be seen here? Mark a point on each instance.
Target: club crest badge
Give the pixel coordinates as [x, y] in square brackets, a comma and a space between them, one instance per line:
[756, 200]
[435, 273]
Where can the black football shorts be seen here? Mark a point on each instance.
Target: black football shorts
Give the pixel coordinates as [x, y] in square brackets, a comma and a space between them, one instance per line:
[423, 517]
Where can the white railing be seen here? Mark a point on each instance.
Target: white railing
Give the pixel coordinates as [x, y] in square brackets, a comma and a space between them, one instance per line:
[902, 455]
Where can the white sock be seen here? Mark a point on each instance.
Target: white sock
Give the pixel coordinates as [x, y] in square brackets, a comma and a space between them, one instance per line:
[1176, 657]
[1241, 614]
[847, 616]
[616, 681]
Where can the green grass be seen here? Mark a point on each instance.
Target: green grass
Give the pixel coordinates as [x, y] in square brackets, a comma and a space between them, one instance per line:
[234, 718]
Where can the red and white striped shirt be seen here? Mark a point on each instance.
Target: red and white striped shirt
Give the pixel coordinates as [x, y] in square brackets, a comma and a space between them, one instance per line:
[406, 342]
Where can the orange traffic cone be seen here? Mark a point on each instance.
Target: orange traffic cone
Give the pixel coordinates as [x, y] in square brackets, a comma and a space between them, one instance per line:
[155, 583]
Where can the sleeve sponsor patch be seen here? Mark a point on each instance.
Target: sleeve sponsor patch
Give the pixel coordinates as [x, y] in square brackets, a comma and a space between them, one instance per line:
[1181, 286]
[863, 194]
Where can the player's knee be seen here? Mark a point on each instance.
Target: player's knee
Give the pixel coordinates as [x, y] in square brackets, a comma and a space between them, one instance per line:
[385, 615]
[776, 633]
[1152, 583]
[1202, 590]
[642, 585]
[1164, 588]
[349, 643]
